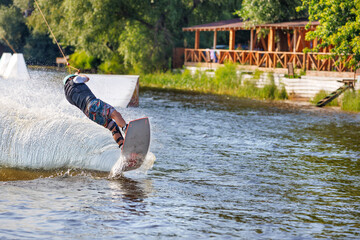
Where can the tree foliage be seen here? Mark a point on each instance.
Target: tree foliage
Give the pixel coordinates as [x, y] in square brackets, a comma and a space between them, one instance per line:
[6, 2]
[140, 33]
[339, 26]
[270, 11]
[13, 27]
[126, 36]
[40, 50]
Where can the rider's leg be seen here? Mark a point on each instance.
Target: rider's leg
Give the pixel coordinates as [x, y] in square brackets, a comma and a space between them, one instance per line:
[118, 118]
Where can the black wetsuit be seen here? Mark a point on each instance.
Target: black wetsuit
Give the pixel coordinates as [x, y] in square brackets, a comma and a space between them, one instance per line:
[78, 94]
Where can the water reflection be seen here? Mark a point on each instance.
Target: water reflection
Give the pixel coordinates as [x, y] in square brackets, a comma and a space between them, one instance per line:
[131, 193]
[79, 206]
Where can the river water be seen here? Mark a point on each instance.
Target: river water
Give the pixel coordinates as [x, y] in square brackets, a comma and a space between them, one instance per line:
[225, 168]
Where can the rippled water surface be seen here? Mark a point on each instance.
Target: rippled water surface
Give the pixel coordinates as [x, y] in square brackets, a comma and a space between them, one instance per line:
[225, 168]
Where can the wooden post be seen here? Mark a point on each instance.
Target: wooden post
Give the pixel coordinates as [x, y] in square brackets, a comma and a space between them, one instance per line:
[290, 45]
[271, 46]
[263, 43]
[301, 43]
[294, 46]
[252, 39]
[294, 40]
[232, 40]
[271, 40]
[290, 67]
[215, 39]
[197, 39]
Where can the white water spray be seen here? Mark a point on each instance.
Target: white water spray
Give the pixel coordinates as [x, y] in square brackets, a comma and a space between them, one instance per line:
[39, 129]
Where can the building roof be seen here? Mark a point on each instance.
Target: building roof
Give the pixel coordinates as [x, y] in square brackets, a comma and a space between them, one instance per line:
[238, 24]
[289, 25]
[224, 25]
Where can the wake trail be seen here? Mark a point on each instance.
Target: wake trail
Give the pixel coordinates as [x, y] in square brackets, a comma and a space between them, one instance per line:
[39, 129]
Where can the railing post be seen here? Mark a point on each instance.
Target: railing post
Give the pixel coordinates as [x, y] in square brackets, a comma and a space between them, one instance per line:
[294, 47]
[304, 61]
[294, 41]
[275, 61]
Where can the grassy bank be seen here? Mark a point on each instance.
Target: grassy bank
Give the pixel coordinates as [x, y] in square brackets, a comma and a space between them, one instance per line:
[349, 101]
[225, 81]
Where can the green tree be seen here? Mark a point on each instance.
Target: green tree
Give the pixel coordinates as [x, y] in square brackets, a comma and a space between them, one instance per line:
[270, 11]
[139, 33]
[13, 27]
[6, 3]
[339, 27]
[23, 4]
[40, 50]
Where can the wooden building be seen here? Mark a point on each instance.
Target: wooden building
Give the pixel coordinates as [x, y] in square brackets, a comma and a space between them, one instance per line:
[283, 45]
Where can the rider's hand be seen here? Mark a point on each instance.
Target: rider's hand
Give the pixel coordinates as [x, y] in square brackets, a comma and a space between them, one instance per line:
[124, 127]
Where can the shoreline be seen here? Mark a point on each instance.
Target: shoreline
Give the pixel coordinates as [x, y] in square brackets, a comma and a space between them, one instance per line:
[300, 104]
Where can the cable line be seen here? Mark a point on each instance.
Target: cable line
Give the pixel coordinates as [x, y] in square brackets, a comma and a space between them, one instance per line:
[8, 44]
[67, 63]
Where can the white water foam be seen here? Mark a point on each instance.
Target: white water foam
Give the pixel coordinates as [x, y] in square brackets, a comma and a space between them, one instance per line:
[117, 172]
[39, 129]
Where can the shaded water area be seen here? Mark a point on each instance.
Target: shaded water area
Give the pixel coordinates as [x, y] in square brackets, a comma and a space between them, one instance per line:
[225, 168]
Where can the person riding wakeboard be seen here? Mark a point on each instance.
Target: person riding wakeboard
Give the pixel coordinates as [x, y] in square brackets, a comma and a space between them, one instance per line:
[80, 95]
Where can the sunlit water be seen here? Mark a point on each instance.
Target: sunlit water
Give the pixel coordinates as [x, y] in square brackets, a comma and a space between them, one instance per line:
[225, 168]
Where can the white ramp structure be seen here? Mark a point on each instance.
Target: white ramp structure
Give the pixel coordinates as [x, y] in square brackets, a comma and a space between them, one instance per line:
[116, 90]
[16, 68]
[4, 61]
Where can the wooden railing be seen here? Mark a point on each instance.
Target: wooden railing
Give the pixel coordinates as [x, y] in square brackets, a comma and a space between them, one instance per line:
[317, 62]
[306, 61]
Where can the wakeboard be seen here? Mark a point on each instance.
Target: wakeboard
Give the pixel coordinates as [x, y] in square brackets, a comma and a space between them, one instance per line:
[136, 143]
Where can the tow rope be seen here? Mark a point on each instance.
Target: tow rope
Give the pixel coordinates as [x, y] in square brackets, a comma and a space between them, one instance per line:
[8, 44]
[62, 52]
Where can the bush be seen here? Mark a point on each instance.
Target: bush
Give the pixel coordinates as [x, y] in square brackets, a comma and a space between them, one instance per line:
[226, 77]
[351, 101]
[283, 94]
[82, 60]
[248, 89]
[113, 66]
[257, 74]
[271, 91]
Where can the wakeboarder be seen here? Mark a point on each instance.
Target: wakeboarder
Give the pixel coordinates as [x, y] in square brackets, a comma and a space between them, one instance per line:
[80, 95]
